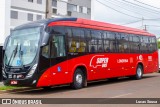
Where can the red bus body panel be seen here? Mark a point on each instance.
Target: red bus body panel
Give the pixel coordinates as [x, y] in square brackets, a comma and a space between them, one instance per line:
[116, 66]
[99, 66]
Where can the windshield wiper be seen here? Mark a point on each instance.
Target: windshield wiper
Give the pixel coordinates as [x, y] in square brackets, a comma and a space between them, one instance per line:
[13, 54]
[20, 56]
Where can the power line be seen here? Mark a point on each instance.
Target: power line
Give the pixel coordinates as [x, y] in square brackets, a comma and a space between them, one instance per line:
[125, 13]
[153, 25]
[153, 19]
[130, 10]
[117, 10]
[142, 6]
[146, 4]
[143, 11]
[122, 7]
[132, 22]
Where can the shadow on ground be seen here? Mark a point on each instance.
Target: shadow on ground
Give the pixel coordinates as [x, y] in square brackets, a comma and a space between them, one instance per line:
[67, 88]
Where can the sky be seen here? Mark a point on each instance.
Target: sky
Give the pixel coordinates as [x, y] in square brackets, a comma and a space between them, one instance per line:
[131, 13]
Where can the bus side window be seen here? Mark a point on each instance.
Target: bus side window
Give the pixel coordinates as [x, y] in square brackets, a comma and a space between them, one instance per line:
[112, 46]
[57, 46]
[100, 42]
[71, 42]
[54, 48]
[123, 44]
[92, 46]
[105, 42]
[112, 41]
[68, 32]
[88, 38]
[153, 44]
[93, 43]
[72, 46]
[136, 44]
[106, 45]
[144, 44]
[119, 48]
[75, 43]
[82, 42]
[45, 51]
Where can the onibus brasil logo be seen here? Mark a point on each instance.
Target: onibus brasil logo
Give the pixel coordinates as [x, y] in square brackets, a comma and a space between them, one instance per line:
[99, 61]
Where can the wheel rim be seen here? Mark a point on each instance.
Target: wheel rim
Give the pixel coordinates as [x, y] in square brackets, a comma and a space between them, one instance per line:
[139, 72]
[79, 78]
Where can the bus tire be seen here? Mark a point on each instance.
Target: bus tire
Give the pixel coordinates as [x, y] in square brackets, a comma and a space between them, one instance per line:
[139, 72]
[78, 79]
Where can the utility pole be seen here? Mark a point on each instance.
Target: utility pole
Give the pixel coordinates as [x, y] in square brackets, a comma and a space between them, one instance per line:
[145, 27]
[142, 23]
[48, 9]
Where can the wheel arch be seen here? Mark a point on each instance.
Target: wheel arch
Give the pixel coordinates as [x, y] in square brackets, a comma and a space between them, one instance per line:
[83, 67]
[141, 64]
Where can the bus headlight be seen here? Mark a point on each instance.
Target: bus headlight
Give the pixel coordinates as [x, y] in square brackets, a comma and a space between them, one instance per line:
[31, 72]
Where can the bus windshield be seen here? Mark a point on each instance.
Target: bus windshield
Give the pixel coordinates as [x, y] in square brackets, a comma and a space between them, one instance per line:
[22, 47]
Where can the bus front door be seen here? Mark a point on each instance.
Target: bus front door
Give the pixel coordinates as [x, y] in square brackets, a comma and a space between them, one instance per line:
[58, 62]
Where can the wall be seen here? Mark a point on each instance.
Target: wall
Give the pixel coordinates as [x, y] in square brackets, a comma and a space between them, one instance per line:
[1, 59]
[4, 19]
[24, 7]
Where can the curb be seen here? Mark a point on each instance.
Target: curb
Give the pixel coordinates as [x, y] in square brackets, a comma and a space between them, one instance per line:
[2, 91]
[15, 90]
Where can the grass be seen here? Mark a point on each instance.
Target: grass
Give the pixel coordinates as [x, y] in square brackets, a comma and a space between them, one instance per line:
[8, 87]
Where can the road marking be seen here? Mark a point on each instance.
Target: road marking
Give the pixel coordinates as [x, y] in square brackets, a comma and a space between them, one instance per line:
[121, 95]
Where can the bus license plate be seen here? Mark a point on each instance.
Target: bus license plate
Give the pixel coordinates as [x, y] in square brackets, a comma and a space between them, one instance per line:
[14, 82]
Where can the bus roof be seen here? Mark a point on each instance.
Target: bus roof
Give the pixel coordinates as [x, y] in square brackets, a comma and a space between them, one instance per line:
[84, 23]
[114, 27]
[43, 22]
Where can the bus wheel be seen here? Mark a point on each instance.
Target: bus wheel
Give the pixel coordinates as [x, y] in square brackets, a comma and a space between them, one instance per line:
[139, 72]
[78, 79]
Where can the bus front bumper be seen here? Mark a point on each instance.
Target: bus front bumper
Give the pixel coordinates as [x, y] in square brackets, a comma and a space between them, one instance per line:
[25, 82]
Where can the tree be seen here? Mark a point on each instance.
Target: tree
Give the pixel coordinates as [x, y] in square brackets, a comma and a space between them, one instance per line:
[158, 44]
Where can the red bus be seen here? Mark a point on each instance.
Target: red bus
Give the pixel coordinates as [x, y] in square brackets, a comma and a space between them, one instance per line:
[74, 51]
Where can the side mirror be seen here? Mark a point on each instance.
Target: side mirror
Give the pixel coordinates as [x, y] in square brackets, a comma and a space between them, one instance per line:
[45, 39]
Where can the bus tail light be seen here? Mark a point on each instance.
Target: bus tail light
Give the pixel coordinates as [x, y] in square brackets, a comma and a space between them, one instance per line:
[31, 72]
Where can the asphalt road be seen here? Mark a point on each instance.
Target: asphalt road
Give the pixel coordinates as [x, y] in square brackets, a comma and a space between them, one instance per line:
[148, 87]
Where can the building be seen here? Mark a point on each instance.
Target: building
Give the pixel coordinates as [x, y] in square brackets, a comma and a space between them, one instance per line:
[4, 20]
[71, 8]
[23, 11]
[17, 12]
